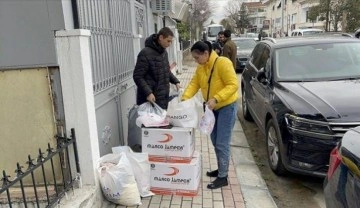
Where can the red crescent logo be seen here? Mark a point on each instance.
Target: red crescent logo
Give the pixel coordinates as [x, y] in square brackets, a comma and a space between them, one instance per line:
[174, 171]
[168, 138]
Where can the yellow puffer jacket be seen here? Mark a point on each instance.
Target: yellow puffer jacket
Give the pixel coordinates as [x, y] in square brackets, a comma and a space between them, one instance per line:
[224, 82]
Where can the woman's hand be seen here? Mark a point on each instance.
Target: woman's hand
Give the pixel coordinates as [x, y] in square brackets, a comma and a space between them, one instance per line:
[211, 103]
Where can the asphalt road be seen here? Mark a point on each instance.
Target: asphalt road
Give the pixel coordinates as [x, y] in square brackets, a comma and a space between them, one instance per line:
[292, 191]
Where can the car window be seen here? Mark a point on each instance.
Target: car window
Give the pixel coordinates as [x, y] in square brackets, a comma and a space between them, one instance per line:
[310, 32]
[328, 61]
[256, 55]
[243, 44]
[264, 57]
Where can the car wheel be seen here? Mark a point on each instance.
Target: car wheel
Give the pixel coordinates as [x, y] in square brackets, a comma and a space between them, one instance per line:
[273, 150]
[245, 108]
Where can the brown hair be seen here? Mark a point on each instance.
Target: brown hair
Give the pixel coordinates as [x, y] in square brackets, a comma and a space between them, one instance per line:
[166, 32]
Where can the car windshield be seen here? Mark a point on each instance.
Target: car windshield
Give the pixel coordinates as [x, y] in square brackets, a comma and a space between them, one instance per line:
[244, 44]
[330, 61]
[311, 32]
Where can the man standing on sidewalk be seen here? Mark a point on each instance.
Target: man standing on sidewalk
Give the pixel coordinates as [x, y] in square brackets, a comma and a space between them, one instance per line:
[230, 48]
[152, 74]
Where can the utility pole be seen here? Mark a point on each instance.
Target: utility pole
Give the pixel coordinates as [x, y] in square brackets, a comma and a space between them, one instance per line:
[191, 16]
[282, 17]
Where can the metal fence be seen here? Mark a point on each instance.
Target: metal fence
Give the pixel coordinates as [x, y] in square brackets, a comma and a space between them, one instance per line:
[111, 41]
[48, 191]
[185, 44]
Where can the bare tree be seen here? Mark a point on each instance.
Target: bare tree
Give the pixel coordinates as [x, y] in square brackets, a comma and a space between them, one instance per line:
[227, 23]
[200, 13]
[232, 10]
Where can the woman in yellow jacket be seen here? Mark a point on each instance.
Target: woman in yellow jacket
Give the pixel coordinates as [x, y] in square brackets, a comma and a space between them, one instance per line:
[216, 78]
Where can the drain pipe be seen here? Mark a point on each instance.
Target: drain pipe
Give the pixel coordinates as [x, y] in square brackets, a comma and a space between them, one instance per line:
[75, 12]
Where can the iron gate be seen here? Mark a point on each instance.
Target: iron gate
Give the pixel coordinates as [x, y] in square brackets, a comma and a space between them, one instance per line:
[113, 60]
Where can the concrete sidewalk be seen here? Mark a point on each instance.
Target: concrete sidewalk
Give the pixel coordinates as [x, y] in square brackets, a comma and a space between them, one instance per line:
[246, 187]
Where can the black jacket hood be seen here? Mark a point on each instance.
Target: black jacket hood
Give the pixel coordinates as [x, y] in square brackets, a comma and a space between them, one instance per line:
[152, 42]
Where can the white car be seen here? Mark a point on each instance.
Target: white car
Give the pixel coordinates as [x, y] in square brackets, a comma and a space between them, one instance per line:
[304, 32]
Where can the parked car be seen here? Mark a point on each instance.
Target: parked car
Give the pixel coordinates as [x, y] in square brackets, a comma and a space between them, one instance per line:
[304, 94]
[305, 32]
[357, 33]
[342, 183]
[333, 34]
[250, 35]
[244, 49]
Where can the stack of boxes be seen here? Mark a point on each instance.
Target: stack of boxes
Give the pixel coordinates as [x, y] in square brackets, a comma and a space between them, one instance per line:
[175, 166]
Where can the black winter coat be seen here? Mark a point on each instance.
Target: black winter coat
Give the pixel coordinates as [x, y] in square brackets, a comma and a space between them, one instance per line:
[152, 73]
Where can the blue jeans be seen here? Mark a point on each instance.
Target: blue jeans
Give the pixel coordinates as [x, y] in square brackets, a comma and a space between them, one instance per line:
[221, 136]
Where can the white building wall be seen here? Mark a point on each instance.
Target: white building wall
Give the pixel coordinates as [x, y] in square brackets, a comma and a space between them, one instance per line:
[294, 13]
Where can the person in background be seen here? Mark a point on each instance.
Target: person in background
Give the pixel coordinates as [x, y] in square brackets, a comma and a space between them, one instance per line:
[219, 88]
[220, 41]
[260, 35]
[230, 49]
[152, 74]
[217, 48]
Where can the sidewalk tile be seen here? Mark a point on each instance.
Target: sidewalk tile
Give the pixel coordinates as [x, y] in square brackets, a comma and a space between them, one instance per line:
[197, 200]
[207, 194]
[155, 205]
[165, 204]
[156, 199]
[218, 204]
[186, 204]
[176, 200]
[217, 197]
[208, 203]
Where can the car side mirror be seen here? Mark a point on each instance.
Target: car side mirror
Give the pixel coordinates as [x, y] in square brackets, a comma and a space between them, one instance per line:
[261, 76]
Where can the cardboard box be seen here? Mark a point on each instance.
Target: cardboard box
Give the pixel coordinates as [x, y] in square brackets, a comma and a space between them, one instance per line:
[176, 178]
[175, 145]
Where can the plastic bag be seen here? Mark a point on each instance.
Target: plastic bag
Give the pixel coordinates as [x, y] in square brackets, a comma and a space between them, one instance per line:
[117, 180]
[151, 115]
[183, 113]
[207, 121]
[173, 92]
[141, 167]
[134, 131]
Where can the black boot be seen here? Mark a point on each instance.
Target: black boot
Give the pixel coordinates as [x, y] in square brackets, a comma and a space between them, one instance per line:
[218, 183]
[213, 173]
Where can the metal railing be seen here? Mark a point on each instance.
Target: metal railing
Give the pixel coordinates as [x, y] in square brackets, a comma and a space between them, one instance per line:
[48, 191]
[111, 41]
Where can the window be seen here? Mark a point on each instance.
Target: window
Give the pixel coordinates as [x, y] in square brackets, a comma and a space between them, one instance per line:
[307, 16]
[260, 56]
[256, 54]
[264, 57]
[329, 61]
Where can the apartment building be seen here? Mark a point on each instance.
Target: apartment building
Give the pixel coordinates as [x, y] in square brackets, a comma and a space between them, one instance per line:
[275, 16]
